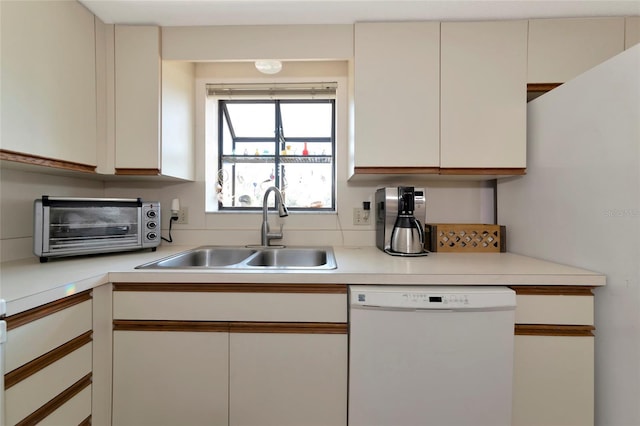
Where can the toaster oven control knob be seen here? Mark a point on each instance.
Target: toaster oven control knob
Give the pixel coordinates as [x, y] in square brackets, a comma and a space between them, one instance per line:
[152, 236]
[151, 225]
[152, 214]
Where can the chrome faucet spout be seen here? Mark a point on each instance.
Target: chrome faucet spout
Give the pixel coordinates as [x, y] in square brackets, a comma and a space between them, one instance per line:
[265, 234]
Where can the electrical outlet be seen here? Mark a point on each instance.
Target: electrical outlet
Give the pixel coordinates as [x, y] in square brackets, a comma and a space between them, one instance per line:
[183, 216]
[361, 216]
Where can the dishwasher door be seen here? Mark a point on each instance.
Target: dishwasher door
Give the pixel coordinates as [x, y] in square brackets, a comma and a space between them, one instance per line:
[439, 356]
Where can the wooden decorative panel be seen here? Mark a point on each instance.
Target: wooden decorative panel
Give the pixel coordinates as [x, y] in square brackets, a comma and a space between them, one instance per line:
[231, 326]
[232, 288]
[465, 238]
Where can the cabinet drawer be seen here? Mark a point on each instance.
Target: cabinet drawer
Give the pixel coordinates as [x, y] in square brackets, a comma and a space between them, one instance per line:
[554, 309]
[73, 412]
[219, 306]
[35, 338]
[30, 394]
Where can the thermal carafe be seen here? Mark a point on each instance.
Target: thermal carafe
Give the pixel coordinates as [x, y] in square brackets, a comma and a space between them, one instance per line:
[400, 212]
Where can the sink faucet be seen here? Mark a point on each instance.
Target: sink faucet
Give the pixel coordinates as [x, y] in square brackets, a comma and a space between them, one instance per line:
[267, 236]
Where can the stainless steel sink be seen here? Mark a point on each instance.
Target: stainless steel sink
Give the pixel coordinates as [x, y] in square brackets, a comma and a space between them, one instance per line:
[203, 257]
[217, 257]
[290, 258]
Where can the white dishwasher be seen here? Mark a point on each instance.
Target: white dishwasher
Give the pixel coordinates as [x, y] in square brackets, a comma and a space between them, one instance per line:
[422, 356]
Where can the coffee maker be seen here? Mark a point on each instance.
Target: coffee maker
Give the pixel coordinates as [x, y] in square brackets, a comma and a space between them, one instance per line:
[400, 214]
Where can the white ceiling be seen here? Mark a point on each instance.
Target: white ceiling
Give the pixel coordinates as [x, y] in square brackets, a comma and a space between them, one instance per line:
[268, 12]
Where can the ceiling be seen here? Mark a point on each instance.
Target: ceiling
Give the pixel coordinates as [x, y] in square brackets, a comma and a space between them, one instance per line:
[268, 12]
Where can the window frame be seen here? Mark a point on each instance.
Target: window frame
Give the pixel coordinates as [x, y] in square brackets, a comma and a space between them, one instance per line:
[278, 139]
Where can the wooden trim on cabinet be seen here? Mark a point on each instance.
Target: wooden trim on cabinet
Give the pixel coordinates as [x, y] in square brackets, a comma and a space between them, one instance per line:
[381, 170]
[233, 288]
[86, 422]
[509, 171]
[21, 373]
[36, 160]
[232, 326]
[165, 325]
[40, 312]
[553, 290]
[137, 172]
[554, 330]
[57, 402]
[480, 171]
[289, 327]
[541, 87]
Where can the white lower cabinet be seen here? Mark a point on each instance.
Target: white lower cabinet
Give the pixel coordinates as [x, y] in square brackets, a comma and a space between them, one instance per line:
[553, 381]
[287, 379]
[179, 361]
[170, 378]
[48, 364]
[553, 376]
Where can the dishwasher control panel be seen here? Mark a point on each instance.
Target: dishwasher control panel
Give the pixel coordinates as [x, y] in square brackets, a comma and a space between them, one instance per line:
[427, 297]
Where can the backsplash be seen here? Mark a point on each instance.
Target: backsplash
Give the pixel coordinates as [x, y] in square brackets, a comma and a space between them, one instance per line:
[446, 202]
[18, 192]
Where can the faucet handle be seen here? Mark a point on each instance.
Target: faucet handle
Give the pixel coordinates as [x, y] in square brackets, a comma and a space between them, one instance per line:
[274, 235]
[278, 235]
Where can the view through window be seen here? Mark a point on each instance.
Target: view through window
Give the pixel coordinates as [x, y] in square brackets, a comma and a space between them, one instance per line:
[265, 141]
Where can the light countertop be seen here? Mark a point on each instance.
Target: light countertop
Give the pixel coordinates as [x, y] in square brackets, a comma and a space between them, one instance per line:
[27, 283]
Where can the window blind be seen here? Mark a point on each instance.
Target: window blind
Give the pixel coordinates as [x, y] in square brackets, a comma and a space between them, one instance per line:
[323, 90]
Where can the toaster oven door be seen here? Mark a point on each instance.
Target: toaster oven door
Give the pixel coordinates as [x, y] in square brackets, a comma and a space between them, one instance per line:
[91, 226]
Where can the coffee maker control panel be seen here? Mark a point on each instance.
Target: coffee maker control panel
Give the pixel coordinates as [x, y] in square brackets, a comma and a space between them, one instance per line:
[420, 204]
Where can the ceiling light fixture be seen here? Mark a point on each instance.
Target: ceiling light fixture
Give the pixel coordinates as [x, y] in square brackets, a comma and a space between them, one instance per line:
[269, 66]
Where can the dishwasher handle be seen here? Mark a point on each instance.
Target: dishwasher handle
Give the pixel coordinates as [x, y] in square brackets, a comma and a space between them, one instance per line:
[434, 310]
[400, 309]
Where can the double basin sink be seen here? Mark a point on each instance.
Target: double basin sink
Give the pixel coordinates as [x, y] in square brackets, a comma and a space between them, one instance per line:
[256, 258]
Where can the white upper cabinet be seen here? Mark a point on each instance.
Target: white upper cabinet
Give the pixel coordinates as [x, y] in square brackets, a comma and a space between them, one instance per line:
[154, 107]
[397, 94]
[49, 81]
[561, 49]
[483, 95]
[631, 31]
[137, 89]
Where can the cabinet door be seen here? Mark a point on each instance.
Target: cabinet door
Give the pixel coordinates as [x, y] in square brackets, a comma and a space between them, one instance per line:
[137, 97]
[178, 112]
[288, 379]
[553, 381]
[631, 31]
[483, 94]
[49, 80]
[170, 378]
[561, 49]
[397, 94]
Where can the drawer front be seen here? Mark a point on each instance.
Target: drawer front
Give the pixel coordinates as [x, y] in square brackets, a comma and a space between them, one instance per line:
[32, 393]
[73, 412]
[33, 339]
[291, 307]
[554, 309]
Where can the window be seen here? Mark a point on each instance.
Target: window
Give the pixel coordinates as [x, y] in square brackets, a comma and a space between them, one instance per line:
[280, 139]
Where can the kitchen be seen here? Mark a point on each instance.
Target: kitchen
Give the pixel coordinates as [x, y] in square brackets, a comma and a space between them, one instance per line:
[449, 201]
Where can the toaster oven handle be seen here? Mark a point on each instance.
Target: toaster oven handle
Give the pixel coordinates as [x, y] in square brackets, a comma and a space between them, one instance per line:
[69, 201]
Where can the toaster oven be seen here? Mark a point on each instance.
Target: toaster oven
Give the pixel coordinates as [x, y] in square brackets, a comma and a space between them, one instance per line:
[65, 226]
